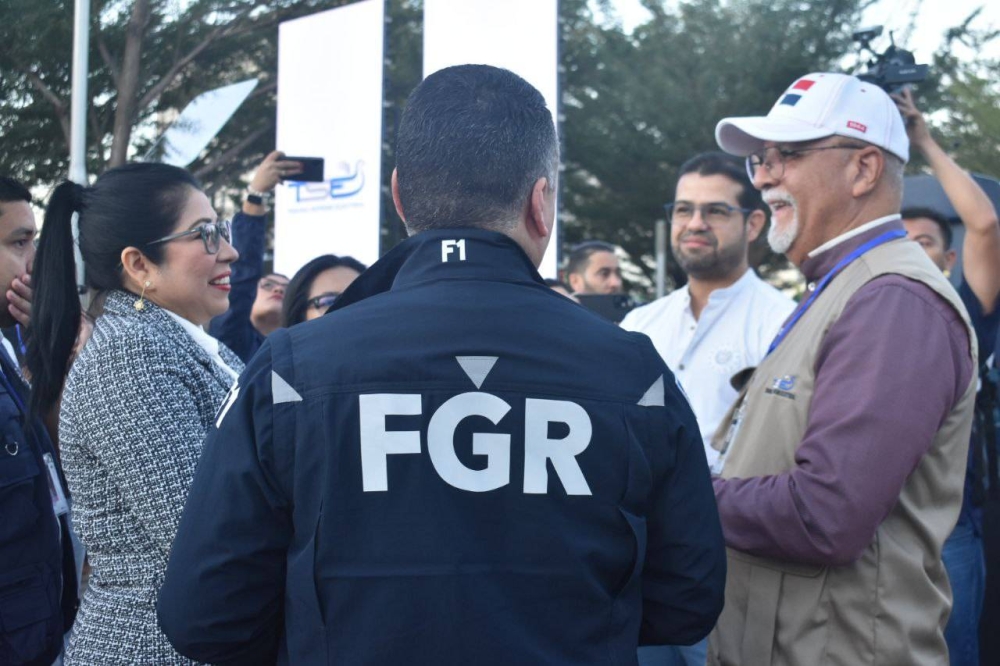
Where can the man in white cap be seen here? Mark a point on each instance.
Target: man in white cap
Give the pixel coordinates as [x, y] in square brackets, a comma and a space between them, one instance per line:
[841, 470]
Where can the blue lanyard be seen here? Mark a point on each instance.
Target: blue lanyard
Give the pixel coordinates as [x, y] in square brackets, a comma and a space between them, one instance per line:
[841, 265]
[20, 340]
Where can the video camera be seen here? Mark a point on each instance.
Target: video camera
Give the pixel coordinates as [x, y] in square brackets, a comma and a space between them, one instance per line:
[892, 69]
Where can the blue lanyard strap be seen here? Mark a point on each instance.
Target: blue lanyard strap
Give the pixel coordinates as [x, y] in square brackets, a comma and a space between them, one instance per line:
[841, 265]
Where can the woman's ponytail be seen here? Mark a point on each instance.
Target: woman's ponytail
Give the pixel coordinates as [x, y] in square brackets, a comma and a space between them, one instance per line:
[55, 308]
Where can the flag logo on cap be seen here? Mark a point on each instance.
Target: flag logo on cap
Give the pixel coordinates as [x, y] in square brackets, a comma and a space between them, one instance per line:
[791, 99]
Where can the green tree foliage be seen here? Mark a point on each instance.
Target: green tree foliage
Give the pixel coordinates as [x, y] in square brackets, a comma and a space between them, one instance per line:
[148, 59]
[636, 107]
[966, 92]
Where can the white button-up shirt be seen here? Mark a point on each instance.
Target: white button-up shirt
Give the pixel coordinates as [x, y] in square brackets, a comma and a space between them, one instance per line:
[733, 332]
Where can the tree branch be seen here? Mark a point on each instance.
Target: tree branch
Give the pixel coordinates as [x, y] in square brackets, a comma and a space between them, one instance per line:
[231, 153]
[58, 104]
[165, 82]
[108, 60]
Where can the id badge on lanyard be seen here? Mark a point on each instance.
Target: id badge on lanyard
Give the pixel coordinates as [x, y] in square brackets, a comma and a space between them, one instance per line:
[56, 492]
[734, 428]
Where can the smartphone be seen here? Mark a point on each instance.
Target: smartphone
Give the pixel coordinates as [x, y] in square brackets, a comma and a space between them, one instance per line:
[312, 169]
[612, 307]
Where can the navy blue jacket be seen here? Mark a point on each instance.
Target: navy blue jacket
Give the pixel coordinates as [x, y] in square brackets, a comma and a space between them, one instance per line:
[233, 327]
[456, 465]
[38, 586]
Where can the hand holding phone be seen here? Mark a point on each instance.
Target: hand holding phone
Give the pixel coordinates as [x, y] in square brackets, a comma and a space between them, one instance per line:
[312, 169]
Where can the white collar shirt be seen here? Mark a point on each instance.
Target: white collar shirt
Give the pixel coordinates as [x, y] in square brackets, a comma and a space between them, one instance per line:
[734, 330]
[205, 341]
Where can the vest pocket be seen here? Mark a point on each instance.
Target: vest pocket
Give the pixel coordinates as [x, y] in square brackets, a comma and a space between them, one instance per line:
[782, 599]
[27, 620]
[18, 469]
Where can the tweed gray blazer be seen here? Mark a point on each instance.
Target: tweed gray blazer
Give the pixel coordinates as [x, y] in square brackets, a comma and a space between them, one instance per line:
[138, 403]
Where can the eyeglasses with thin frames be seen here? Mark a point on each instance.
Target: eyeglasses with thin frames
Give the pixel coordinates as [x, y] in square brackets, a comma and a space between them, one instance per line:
[772, 159]
[713, 214]
[323, 301]
[211, 234]
[271, 285]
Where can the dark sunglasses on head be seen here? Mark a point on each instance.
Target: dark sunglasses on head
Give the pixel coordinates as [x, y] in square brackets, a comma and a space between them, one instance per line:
[211, 234]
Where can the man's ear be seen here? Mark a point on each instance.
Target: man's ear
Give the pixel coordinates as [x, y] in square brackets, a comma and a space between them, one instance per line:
[870, 164]
[950, 257]
[539, 209]
[395, 197]
[755, 224]
[575, 282]
[137, 269]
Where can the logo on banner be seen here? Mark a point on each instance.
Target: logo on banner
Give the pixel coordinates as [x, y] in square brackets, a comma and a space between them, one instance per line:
[340, 188]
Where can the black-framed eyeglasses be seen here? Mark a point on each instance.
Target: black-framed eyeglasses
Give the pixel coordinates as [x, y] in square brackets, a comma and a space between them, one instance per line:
[713, 214]
[772, 159]
[323, 301]
[211, 234]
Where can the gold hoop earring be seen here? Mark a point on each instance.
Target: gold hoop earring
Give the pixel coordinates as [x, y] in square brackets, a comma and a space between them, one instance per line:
[140, 304]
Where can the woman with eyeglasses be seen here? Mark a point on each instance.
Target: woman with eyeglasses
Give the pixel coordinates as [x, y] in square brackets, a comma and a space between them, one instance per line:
[316, 286]
[142, 393]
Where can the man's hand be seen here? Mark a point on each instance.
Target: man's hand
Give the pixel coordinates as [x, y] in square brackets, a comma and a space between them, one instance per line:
[19, 300]
[916, 126]
[272, 170]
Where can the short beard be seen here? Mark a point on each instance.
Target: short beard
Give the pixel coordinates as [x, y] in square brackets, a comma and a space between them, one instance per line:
[719, 264]
[781, 240]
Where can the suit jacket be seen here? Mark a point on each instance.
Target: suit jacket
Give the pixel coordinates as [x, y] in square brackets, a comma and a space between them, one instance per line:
[38, 586]
[138, 402]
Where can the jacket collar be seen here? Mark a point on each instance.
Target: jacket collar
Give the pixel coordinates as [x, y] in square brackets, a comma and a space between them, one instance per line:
[444, 254]
[818, 265]
[121, 304]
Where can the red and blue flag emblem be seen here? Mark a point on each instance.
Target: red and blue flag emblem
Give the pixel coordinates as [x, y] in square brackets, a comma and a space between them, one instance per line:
[791, 99]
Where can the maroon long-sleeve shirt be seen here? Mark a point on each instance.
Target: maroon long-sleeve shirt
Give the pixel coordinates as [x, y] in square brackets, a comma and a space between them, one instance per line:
[888, 373]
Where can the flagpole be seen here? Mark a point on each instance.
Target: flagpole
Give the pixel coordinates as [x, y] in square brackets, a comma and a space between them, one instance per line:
[78, 102]
[78, 115]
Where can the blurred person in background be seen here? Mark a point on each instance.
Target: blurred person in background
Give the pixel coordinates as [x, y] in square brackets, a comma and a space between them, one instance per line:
[255, 301]
[592, 268]
[316, 286]
[963, 553]
[142, 393]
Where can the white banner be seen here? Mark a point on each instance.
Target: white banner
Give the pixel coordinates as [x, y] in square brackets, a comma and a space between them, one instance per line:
[519, 35]
[330, 106]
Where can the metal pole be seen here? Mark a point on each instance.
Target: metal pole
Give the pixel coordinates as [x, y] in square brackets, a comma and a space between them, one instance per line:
[78, 105]
[78, 115]
[661, 258]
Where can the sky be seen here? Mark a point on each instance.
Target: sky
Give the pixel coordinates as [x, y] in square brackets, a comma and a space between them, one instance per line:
[934, 17]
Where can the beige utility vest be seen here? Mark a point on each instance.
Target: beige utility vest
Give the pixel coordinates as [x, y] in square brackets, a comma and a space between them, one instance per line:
[890, 606]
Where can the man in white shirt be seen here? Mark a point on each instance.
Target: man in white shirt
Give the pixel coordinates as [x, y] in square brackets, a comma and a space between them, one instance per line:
[723, 320]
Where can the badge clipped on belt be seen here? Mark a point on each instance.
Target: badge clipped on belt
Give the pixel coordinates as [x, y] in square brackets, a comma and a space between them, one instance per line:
[59, 503]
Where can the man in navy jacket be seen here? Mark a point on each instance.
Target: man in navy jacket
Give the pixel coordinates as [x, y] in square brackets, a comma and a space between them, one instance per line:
[38, 581]
[455, 465]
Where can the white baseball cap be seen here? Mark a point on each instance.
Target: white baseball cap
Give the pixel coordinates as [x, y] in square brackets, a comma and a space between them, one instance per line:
[817, 106]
